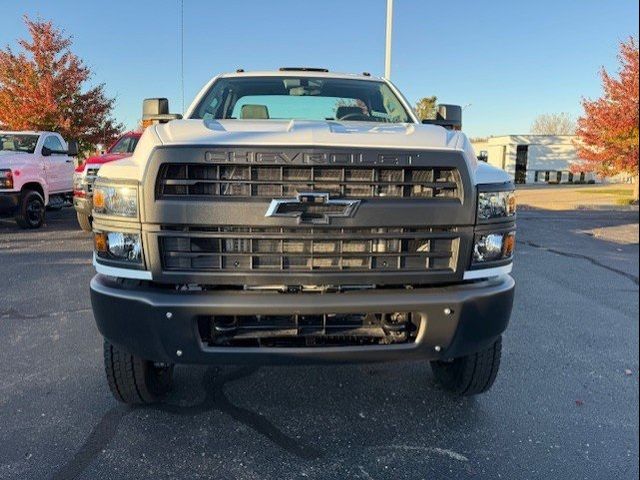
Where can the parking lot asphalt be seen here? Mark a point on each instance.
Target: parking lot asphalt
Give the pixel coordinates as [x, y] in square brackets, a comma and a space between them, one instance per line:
[565, 404]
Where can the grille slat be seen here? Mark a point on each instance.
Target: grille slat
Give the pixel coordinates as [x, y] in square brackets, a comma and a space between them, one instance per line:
[448, 185]
[306, 249]
[302, 255]
[303, 234]
[214, 181]
[90, 178]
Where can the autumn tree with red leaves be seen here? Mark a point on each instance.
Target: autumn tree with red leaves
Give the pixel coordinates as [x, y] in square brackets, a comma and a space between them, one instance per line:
[608, 132]
[41, 88]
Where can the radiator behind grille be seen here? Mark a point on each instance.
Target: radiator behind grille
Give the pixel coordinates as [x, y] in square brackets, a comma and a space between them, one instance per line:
[211, 181]
[246, 249]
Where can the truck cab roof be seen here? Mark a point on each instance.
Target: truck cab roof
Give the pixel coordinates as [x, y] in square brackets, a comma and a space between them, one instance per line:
[300, 72]
[28, 132]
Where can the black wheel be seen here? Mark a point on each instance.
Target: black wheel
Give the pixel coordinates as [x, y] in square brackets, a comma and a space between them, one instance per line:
[133, 380]
[472, 374]
[84, 221]
[30, 213]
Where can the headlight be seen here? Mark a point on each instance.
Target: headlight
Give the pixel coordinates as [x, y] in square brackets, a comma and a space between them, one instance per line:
[77, 182]
[6, 179]
[124, 247]
[117, 200]
[493, 247]
[496, 205]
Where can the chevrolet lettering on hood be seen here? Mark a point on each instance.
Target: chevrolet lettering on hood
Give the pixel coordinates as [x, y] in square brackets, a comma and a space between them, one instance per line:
[289, 156]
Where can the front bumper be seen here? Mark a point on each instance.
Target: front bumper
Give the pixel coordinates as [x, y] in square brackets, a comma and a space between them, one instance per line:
[161, 325]
[83, 205]
[9, 202]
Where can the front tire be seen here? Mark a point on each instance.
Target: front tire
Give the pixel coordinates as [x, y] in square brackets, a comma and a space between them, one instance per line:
[471, 374]
[133, 380]
[30, 213]
[84, 221]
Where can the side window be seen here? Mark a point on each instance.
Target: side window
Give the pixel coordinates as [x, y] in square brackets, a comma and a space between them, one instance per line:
[53, 143]
[125, 145]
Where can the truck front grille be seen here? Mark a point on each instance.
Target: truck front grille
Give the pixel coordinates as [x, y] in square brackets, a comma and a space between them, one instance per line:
[215, 181]
[273, 331]
[90, 178]
[247, 249]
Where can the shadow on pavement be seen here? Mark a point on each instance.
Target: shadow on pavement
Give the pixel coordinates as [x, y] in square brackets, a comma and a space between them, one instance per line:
[214, 380]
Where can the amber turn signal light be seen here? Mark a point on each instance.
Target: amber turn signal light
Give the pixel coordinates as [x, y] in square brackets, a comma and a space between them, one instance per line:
[98, 199]
[509, 244]
[100, 242]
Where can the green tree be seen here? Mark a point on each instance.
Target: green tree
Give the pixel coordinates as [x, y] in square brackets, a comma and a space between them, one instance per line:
[426, 108]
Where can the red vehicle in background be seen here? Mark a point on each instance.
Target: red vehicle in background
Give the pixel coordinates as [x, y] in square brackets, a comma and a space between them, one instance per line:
[85, 175]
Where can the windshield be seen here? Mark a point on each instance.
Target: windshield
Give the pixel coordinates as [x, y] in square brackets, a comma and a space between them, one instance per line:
[301, 98]
[18, 142]
[125, 145]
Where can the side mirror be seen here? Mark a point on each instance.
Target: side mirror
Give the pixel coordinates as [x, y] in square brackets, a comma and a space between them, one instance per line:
[46, 152]
[156, 110]
[72, 148]
[447, 116]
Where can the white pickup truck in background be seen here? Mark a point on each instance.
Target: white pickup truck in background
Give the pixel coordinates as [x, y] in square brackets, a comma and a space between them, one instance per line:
[36, 171]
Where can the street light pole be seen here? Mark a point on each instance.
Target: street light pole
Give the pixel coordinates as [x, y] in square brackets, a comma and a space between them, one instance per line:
[181, 53]
[387, 56]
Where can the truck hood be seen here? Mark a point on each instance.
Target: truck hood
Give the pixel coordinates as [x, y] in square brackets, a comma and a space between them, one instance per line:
[106, 158]
[488, 174]
[9, 159]
[101, 160]
[301, 133]
[307, 133]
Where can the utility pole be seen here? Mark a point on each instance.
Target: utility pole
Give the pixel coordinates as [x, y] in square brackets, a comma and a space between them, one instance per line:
[181, 53]
[387, 56]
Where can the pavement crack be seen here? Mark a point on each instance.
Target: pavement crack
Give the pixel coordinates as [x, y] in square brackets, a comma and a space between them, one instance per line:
[592, 260]
[17, 315]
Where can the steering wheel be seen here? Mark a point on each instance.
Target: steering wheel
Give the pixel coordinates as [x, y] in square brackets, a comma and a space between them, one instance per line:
[358, 116]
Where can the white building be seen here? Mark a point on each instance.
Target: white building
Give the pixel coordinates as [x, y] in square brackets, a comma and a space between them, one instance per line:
[534, 158]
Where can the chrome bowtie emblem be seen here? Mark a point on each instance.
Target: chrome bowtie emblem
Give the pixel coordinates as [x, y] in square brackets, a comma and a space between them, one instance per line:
[317, 208]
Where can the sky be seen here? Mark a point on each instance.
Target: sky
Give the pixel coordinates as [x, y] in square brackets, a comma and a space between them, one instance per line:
[506, 61]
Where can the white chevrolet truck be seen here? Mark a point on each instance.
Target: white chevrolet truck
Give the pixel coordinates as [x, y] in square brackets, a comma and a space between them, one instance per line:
[301, 216]
[36, 171]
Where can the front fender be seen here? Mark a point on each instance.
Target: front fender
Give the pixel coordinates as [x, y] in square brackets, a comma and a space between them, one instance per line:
[30, 174]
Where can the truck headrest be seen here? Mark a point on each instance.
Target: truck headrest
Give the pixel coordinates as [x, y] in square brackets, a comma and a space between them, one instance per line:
[254, 112]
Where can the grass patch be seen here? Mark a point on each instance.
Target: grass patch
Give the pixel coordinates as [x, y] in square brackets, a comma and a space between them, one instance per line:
[625, 201]
[619, 192]
[621, 195]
